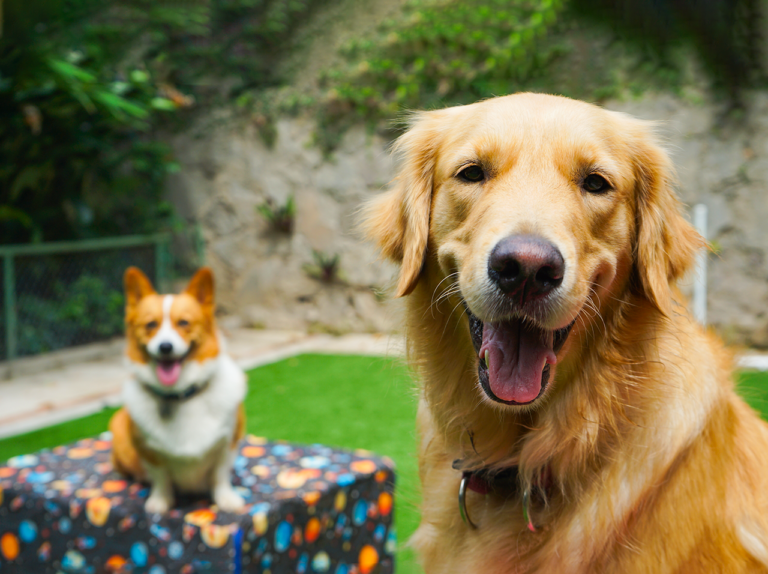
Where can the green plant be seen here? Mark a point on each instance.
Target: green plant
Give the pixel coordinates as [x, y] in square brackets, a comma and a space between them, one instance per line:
[325, 267]
[78, 153]
[86, 88]
[438, 52]
[280, 217]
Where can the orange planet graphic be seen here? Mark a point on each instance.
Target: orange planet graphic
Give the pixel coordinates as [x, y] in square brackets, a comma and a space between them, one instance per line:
[368, 559]
[253, 451]
[363, 466]
[80, 453]
[291, 479]
[102, 445]
[385, 503]
[200, 517]
[6, 471]
[88, 492]
[114, 485]
[312, 531]
[97, 510]
[9, 546]
[311, 498]
[116, 564]
[214, 536]
[381, 476]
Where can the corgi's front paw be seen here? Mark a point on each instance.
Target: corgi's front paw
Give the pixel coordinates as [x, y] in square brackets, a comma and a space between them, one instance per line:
[157, 504]
[228, 500]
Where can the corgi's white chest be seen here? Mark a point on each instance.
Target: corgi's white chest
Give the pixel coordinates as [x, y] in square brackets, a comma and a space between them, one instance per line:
[194, 426]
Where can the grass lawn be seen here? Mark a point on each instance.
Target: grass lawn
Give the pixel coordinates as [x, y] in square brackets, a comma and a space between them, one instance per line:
[346, 401]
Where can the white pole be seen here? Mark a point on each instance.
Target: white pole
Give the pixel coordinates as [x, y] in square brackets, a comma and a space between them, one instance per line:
[700, 282]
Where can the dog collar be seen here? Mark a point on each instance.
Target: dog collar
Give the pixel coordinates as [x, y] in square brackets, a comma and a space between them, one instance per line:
[484, 482]
[169, 399]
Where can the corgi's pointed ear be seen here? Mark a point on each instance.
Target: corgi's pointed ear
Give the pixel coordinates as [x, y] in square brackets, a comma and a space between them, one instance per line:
[201, 287]
[398, 220]
[666, 244]
[137, 286]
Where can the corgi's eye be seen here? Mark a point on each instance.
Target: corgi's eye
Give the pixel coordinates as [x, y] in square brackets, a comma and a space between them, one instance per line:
[151, 326]
[182, 323]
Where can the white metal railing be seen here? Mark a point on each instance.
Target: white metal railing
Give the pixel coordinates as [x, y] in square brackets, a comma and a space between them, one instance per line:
[700, 272]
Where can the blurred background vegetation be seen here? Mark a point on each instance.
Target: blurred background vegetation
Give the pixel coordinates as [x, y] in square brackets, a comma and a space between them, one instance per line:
[91, 89]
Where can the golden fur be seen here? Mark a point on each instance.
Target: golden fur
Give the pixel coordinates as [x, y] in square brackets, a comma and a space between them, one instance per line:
[653, 463]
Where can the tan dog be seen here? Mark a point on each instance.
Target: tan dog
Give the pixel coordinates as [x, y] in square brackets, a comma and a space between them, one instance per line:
[183, 413]
[591, 423]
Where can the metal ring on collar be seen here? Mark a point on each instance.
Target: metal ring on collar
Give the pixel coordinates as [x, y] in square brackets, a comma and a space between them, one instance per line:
[463, 502]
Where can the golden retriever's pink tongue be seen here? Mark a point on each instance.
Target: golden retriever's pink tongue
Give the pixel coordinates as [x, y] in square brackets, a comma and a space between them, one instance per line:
[517, 354]
[168, 373]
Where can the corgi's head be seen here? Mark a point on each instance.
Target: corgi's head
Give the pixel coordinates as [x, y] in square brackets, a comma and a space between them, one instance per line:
[171, 338]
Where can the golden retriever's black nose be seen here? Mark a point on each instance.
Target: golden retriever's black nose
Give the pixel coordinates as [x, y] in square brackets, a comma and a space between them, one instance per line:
[526, 265]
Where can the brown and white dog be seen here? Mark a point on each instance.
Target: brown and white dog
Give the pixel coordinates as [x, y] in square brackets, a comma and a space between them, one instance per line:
[183, 403]
[584, 421]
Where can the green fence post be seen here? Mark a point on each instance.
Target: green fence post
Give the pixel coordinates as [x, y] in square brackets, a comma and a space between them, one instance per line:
[162, 260]
[9, 293]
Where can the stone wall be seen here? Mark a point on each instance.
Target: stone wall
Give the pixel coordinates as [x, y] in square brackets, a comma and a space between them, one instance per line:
[228, 171]
[723, 163]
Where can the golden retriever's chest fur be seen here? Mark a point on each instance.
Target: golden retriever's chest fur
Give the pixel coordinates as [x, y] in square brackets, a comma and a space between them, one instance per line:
[540, 241]
[687, 519]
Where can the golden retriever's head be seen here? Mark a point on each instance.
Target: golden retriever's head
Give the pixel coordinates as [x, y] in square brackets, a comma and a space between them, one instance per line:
[540, 209]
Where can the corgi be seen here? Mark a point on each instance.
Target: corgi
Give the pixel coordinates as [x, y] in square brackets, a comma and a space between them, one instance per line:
[183, 410]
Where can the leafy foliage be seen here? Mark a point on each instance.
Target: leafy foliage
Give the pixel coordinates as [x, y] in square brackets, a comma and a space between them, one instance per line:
[459, 50]
[87, 88]
[434, 53]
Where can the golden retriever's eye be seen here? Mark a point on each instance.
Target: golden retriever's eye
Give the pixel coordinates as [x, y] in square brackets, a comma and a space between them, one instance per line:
[151, 326]
[182, 323]
[472, 174]
[595, 183]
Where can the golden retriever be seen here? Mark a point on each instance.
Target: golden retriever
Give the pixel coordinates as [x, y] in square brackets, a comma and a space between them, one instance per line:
[590, 423]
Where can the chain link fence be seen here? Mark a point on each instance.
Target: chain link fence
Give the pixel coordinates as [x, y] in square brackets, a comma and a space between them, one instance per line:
[62, 294]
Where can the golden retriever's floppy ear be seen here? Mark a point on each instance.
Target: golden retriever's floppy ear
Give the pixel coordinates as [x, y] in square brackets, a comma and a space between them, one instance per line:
[666, 244]
[398, 221]
[137, 286]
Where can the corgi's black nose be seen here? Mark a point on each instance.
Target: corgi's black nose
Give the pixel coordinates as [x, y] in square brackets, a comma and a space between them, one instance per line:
[166, 348]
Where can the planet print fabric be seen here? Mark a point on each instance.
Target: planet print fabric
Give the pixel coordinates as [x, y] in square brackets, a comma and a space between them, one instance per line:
[309, 509]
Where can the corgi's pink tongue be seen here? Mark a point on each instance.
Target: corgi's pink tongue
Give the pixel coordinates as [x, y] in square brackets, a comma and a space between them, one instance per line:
[517, 353]
[168, 373]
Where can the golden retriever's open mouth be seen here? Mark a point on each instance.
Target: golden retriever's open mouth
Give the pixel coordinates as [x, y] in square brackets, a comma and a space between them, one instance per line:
[514, 357]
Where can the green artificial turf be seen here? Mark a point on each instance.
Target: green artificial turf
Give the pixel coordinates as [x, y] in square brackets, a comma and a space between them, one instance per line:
[753, 386]
[345, 401]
